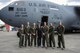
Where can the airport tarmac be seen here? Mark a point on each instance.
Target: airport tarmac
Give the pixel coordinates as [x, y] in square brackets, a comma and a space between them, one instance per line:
[9, 44]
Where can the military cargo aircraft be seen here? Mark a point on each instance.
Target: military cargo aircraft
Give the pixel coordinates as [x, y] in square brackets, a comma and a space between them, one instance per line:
[21, 12]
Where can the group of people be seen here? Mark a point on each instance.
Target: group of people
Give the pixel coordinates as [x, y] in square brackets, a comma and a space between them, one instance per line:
[41, 35]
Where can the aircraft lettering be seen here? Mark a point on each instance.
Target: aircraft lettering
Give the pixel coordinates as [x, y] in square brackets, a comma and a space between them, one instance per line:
[21, 14]
[24, 15]
[16, 12]
[17, 15]
[44, 12]
[41, 5]
[30, 4]
[35, 4]
[21, 9]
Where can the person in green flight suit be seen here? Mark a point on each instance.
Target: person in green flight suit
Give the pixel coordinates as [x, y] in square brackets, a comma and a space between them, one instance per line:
[51, 35]
[60, 30]
[27, 34]
[33, 34]
[21, 40]
[45, 35]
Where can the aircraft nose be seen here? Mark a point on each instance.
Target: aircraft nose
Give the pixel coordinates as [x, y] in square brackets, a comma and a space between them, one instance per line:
[0, 14]
[3, 13]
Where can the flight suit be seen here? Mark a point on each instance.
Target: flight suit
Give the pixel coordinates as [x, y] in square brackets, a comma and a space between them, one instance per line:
[21, 40]
[33, 36]
[27, 35]
[60, 30]
[51, 36]
[45, 36]
[39, 35]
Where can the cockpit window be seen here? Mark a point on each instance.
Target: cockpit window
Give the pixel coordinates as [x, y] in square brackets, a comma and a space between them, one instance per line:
[20, 3]
[11, 9]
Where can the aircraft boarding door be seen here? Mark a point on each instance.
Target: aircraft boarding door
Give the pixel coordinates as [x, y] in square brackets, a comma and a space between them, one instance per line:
[44, 19]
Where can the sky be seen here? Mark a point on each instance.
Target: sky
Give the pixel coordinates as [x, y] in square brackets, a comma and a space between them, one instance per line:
[61, 2]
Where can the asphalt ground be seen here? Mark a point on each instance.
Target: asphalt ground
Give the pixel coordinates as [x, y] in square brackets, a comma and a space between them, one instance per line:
[9, 44]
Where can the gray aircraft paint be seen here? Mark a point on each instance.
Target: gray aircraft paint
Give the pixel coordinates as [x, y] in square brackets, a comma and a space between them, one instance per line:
[32, 11]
